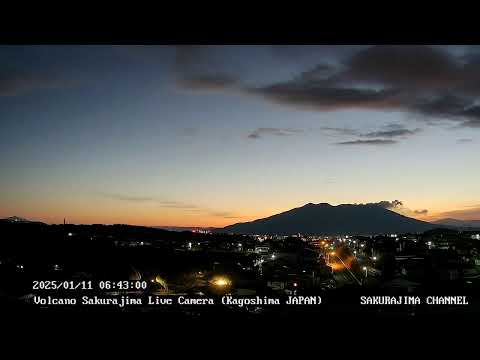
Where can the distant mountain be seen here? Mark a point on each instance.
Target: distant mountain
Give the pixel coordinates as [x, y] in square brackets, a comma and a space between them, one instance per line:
[184, 228]
[459, 223]
[16, 219]
[326, 219]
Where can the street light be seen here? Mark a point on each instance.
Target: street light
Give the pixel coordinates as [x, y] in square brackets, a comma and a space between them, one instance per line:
[221, 282]
[366, 271]
[331, 253]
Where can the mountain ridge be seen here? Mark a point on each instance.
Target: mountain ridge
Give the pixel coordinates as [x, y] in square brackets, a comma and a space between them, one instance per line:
[327, 219]
[19, 220]
[458, 223]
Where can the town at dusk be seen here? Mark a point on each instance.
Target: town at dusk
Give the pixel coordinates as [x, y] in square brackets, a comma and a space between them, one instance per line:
[240, 180]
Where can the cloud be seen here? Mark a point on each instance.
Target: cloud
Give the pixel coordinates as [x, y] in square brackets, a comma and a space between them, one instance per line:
[388, 204]
[399, 207]
[19, 84]
[20, 74]
[405, 66]
[176, 205]
[311, 52]
[419, 80]
[368, 142]
[472, 206]
[470, 213]
[171, 204]
[225, 214]
[394, 126]
[127, 198]
[391, 133]
[262, 132]
[340, 131]
[382, 137]
[311, 95]
[198, 67]
[143, 199]
[433, 82]
[462, 109]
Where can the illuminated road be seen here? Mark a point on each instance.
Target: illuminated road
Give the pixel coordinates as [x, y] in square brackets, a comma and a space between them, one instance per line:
[343, 277]
[341, 270]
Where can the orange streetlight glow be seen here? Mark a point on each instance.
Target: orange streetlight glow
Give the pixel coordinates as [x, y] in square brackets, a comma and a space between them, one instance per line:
[221, 281]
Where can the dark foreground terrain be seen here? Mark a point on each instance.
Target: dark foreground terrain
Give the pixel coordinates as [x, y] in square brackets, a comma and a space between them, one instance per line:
[73, 261]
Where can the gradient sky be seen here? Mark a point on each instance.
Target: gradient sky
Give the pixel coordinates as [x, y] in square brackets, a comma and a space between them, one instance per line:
[213, 135]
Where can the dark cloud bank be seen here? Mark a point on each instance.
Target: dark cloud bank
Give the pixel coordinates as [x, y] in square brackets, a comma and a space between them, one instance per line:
[418, 79]
[432, 83]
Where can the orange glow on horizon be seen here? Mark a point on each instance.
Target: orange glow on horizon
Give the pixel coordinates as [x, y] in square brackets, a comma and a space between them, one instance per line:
[106, 213]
